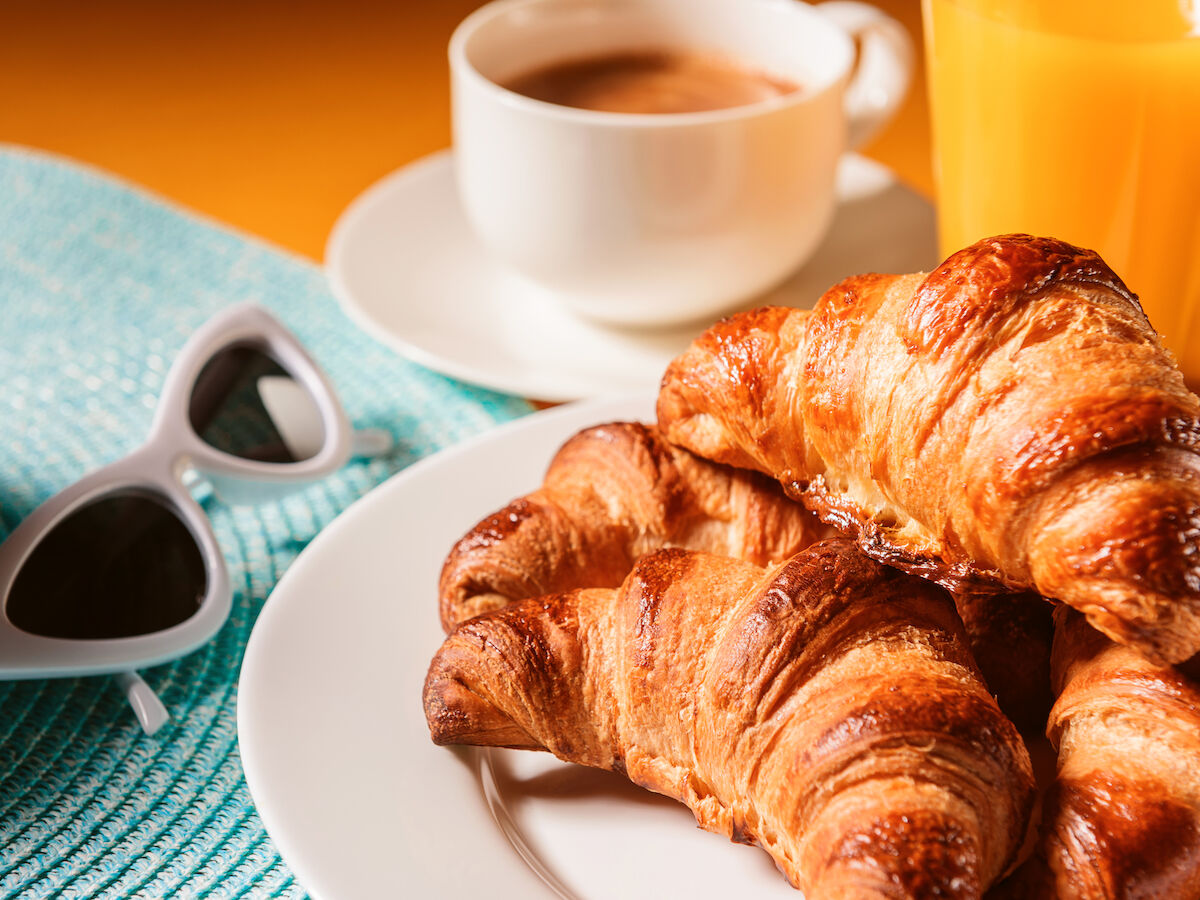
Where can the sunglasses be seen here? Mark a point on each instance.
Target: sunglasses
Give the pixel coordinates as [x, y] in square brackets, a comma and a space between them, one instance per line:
[121, 570]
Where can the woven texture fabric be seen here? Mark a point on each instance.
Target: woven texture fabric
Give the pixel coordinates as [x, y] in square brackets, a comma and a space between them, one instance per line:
[100, 285]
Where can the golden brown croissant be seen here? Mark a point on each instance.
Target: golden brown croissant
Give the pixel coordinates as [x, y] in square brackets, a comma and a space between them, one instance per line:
[1122, 819]
[615, 493]
[826, 710]
[612, 494]
[1011, 416]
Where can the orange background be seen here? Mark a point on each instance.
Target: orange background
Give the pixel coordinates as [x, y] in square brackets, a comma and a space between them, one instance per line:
[269, 116]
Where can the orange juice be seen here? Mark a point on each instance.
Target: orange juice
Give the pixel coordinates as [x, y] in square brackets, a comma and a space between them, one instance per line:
[1077, 119]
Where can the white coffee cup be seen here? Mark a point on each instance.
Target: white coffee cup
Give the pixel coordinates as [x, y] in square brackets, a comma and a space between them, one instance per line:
[653, 219]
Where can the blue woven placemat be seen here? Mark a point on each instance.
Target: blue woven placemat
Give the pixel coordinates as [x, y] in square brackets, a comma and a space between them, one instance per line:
[100, 285]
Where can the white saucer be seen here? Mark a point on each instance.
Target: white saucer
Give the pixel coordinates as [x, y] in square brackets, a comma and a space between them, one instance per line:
[405, 266]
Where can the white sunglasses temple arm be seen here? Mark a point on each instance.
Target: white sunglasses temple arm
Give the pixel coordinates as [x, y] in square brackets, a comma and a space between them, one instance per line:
[150, 712]
[299, 423]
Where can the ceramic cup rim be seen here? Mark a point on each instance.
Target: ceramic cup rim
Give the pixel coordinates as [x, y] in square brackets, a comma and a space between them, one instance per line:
[828, 79]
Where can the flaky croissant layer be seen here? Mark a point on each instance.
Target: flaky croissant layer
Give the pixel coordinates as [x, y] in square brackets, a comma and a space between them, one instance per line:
[1010, 417]
[826, 710]
[1122, 818]
[612, 494]
[617, 492]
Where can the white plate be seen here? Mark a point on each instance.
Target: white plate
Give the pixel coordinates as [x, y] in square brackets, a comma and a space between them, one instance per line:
[333, 738]
[406, 267]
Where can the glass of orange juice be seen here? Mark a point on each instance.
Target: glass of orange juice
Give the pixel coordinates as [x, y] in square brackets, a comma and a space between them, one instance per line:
[1076, 119]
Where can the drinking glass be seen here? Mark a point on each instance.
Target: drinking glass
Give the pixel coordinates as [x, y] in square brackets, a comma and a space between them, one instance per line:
[1076, 119]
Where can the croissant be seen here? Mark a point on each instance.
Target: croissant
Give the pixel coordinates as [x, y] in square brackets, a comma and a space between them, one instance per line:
[1122, 819]
[826, 710]
[1010, 418]
[615, 493]
[612, 494]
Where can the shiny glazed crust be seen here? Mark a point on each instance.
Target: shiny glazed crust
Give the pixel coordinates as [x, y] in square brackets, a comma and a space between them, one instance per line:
[1122, 819]
[1009, 419]
[615, 493]
[612, 494]
[826, 710]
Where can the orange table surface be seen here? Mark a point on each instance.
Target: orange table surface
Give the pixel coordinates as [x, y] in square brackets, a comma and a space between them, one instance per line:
[269, 116]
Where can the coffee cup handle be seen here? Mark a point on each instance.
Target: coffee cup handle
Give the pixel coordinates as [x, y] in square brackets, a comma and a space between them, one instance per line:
[881, 77]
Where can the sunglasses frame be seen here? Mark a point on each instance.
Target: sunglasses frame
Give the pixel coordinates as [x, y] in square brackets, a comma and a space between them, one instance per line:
[158, 469]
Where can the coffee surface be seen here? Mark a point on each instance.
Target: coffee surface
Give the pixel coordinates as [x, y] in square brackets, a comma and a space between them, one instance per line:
[649, 82]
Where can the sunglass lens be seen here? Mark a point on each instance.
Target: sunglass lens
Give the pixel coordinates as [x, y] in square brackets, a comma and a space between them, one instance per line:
[246, 404]
[121, 566]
